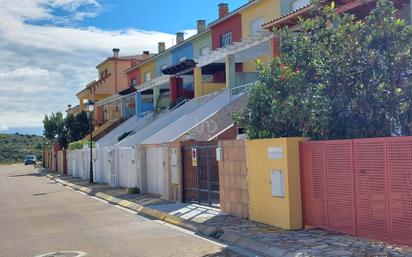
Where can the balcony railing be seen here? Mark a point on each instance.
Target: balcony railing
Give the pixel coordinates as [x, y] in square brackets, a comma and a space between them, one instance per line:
[243, 88]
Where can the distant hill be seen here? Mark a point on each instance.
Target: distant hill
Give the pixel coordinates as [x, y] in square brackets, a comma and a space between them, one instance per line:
[30, 131]
[14, 147]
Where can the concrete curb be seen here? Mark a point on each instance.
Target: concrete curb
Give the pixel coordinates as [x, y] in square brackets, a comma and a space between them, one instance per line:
[142, 210]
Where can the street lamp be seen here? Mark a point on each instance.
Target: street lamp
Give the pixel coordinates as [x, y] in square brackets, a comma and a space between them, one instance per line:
[90, 108]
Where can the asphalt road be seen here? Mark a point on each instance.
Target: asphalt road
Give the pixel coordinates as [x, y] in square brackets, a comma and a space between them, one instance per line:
[38, 216]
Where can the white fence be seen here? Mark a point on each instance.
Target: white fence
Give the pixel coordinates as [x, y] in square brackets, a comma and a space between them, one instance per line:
[78, 163]
[70, 162]
[103, 164]
[124, 167]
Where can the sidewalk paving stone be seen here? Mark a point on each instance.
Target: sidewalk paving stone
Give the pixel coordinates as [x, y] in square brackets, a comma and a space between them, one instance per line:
[263, 239]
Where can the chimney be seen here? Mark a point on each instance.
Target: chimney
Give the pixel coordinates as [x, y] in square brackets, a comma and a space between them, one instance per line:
[161, 47]
[201, 26]
[116, 52]
[223, 10]
[146, 54]
[69, 106]
[180, 37]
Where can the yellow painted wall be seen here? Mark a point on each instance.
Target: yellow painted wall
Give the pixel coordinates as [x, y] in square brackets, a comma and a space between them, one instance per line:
[202, 88]
[105, 65]
[251, 65]
[148, 67]
[208, 88]
[284, 212]
[266, 9]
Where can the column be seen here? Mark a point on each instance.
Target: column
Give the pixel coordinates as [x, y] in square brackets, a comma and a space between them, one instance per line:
[139, 103]
[230, 66]
[156, 94]
[179, 87]
[275, 47]
[410, 11]
[198, 81]
[123, 107]
[173, 89]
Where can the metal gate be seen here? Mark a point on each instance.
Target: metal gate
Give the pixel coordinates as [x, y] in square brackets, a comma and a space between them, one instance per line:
[201, 174]
[361, 187]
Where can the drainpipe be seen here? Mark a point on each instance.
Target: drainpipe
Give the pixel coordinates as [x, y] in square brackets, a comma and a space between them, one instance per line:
[115, 56]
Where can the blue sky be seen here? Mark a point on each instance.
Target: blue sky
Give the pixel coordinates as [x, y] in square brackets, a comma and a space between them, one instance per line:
[50, 48]
[168, 16]
[160, 15]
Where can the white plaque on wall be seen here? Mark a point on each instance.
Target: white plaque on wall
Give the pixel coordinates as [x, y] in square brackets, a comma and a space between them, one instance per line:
[275, 153]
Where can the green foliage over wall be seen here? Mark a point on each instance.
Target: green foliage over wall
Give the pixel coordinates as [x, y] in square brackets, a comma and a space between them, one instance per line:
[336, 78]
[77, 145]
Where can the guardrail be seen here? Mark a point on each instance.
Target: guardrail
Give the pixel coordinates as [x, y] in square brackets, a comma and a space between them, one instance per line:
[242, 89]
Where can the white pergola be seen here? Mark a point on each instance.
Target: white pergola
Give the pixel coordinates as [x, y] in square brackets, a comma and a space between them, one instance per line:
[244, 51]
[154, 83]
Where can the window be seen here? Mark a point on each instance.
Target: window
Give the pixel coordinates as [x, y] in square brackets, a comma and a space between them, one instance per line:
[147, 76]
[226, 39]
[104, 74]
[133, 82]
[181, 59]
[204, 50]
[299, 4]
[256, 26]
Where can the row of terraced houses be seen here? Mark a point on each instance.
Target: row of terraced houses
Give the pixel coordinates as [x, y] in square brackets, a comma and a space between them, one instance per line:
[163, 125]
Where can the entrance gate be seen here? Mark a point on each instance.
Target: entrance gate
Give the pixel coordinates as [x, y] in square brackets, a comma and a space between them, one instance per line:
[201, 174]
[361, 187]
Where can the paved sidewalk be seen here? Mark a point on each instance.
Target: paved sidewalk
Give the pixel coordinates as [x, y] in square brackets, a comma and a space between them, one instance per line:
[264, 240]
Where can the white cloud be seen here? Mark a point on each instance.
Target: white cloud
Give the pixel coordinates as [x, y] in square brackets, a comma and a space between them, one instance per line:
[43, 66]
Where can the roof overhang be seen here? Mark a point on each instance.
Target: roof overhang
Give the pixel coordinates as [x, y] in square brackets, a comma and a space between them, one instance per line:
[180, 68]
[127, 91]
[358, 7]
[288, 19]
[86, 90]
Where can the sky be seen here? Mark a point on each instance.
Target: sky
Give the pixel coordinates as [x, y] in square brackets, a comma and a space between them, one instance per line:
[49, 48]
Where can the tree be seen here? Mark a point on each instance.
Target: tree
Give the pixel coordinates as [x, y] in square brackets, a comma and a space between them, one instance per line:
[77, 126]
[54, 128]
[336, 78]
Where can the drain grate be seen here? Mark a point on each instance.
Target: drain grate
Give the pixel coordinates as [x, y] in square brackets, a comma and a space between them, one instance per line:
[63, 254]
